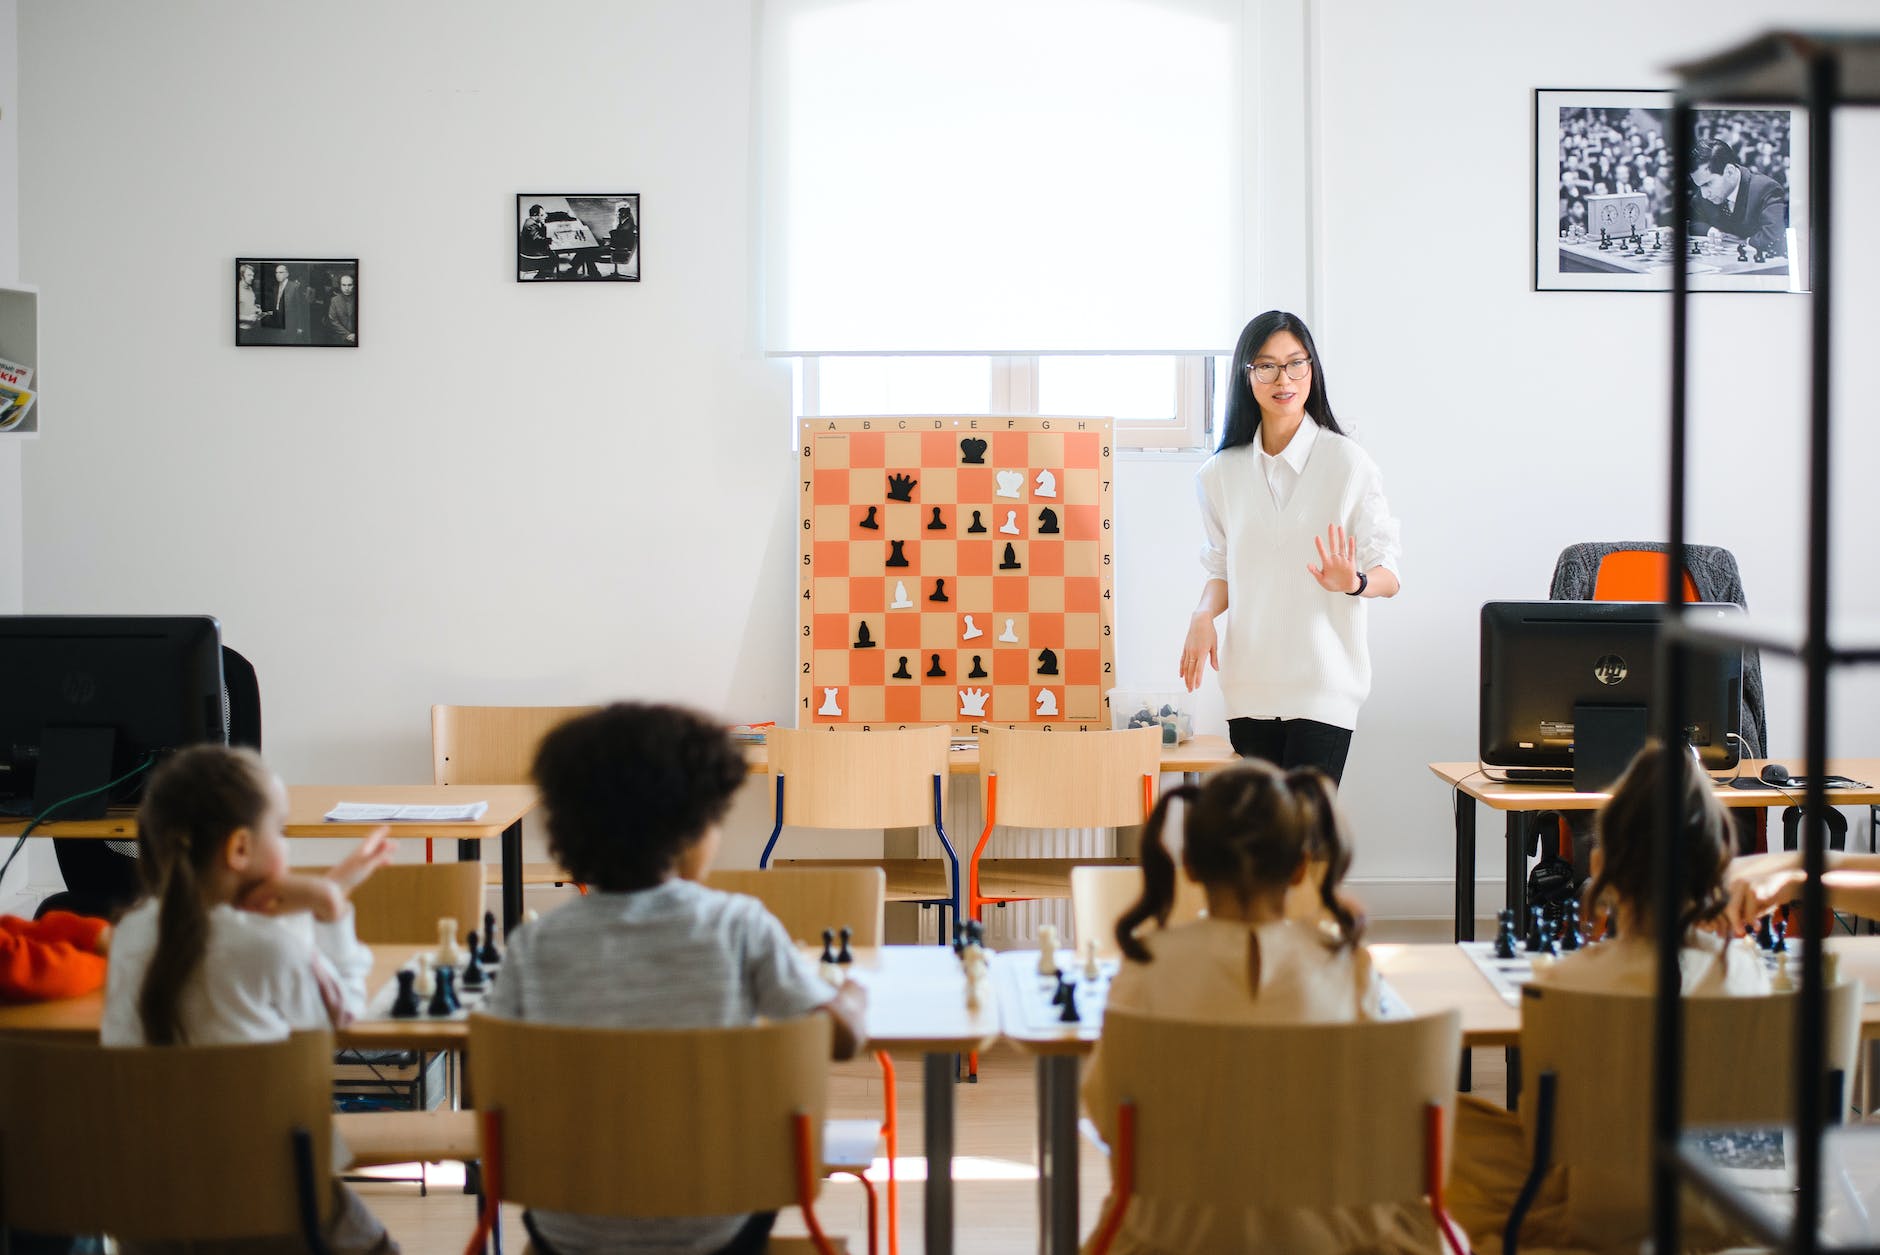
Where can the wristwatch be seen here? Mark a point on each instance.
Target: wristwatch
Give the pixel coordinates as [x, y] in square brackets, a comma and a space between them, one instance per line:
[1364, 582]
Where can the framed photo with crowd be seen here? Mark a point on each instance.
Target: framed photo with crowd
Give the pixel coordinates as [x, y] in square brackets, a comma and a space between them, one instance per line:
[297, 302]
[1604, 207]
[591, 238]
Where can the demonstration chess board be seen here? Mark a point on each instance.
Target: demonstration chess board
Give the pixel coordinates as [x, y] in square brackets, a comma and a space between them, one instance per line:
[956, 570]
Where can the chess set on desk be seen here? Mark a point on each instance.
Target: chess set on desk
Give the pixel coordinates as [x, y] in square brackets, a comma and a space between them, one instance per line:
[1510, 961]
[429, 988]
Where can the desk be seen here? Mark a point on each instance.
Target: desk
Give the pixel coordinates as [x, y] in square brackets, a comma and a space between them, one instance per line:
[308, 803]
[1521, 801]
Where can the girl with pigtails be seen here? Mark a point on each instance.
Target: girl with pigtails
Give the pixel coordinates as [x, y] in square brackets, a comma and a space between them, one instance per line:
[1279, 945]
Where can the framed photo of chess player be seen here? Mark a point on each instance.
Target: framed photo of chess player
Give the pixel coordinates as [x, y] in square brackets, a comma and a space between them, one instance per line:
[297, 302]
[1605, 209]
[581, 239]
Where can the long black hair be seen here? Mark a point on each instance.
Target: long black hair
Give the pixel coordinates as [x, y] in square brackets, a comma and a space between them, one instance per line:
[1242, 423]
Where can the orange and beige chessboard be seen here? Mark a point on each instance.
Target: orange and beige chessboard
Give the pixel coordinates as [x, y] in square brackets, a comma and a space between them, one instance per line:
[956, 570]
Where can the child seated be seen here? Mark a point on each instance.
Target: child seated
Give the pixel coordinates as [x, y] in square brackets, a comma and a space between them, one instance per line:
[230, 946]
[634, 794]
[1250, 833]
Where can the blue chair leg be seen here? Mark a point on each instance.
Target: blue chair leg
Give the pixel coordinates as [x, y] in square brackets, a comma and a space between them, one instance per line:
[953, 859]
[1543, 1157]
[763, 860]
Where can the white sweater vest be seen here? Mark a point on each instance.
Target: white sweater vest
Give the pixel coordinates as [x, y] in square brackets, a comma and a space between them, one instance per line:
[1289, 649]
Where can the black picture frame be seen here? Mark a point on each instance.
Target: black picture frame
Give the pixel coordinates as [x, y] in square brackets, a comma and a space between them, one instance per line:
[578, 237]
[1602, 162]
[311, 316]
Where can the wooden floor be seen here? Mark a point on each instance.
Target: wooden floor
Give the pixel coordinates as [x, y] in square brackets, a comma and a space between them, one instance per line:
[995, 1191]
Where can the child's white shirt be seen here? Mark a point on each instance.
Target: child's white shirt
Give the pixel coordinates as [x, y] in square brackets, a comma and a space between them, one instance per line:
[1629, 965]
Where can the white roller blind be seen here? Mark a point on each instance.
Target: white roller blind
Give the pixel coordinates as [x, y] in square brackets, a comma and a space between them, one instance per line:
[1000, 176]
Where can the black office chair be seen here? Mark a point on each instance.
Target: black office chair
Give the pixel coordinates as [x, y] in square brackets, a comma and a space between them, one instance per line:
[102, 878]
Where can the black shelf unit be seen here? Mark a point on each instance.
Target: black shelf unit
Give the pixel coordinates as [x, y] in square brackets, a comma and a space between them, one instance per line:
[1821, 71]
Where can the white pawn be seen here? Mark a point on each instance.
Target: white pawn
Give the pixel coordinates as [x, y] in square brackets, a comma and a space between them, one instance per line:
[972, 629]
[426, 984]
[1047, 950]
[1092, 970]
[448, 952]
[1010, 526]
[1782, 982]
[901, 601]
[1008, 636]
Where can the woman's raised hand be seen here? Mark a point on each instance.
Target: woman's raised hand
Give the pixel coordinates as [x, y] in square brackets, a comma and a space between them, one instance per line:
[1337, 567]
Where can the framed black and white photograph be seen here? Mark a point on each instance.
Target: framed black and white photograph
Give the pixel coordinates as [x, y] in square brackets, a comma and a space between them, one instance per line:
[301, 302]
[1604, 207]
[589, 239]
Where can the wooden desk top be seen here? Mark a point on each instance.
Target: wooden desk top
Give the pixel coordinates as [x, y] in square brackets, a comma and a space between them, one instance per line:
[307, 803]
[1201, 753]
[1469, 779]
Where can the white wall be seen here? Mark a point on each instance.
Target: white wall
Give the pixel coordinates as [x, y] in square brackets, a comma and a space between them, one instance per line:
[545, 495]
[11, 543]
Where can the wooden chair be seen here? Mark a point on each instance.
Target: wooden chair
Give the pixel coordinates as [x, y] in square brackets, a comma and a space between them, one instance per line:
[145, 1144]
[651, 1122]
[1591, 1055]
[1217, 1131]
[495, 745]
[887, 779]
[1058, 780]
[401, 903]
[1100, 895]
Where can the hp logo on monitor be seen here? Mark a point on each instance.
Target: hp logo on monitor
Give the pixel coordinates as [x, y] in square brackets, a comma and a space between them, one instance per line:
[78, 688]
[1610, 670]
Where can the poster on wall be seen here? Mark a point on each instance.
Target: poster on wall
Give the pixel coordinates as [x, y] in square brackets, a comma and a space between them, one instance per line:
[582, 238]
[297, 302]
[1605, 209]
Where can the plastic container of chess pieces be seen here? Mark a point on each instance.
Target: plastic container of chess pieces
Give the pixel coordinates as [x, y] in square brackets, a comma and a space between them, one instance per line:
[1169, 709]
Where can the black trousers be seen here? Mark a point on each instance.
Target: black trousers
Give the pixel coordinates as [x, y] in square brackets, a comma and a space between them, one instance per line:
[1289, 743]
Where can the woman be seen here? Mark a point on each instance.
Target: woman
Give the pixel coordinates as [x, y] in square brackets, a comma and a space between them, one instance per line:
[1295, 666]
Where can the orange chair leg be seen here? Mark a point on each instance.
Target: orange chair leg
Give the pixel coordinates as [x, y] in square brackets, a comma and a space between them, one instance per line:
[890, 1132]
[868, 1188]
[1433, 1161]
[1122, 1180]
[429, 854]
[806, 1184]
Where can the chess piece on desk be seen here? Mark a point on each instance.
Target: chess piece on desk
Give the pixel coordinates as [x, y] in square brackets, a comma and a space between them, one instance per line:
[843, 956]
[473, 971]
[1765, 937]
[444, 994]
[405, 1004]
[831, 972]
[1782, 982]
[1782, 937]
[1047, 950]
[1548, 940]
[1504, 937]
[1092, 969]
[448, 953]
[426, 983]
[975, 933]
[1533, 945]
[1068, 1015]
[1570, 934]
[489, 956]
[1061, 991]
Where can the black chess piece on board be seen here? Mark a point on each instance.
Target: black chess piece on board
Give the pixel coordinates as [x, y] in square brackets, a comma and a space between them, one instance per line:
[1047, 662]
[939, 524]
[901, 672]
[1533, 945]
[1011, 558]
[1047, 522]
[895, 556]
[829, 945]
[1068, 1015]
[973, 451]
[1570, 929]
[1765, 935]
[1782, 937]
[939, 591]
[1063, 988]
[862, 638]
[936, 670]
[977, 526]
[901, 487]
[978, 672]
[843, 955]
[869, 521]
[444, 992]
[473, 970]
[489, 954]
[1504, 936]
[405, 1005]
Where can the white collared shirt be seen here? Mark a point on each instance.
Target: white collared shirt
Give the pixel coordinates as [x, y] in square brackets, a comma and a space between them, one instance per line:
[1282, 469]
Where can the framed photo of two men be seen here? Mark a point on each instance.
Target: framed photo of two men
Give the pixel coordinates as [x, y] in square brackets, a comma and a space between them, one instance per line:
[1605, 208]
[300, 302]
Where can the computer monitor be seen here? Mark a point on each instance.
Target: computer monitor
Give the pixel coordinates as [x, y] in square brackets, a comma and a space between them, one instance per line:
[1568, 688]
[85, 700]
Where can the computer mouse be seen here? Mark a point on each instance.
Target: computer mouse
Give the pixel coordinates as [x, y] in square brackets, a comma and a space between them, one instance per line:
[1775, 773]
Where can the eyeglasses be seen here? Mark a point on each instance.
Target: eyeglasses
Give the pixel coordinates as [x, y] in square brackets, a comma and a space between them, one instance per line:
[1267, 372]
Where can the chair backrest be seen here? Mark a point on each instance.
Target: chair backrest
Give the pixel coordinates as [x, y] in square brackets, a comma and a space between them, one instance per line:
[401, 903]
[162, 1143]
[491, 744]
[241, 700]
[651, 1122]
[1214, 1125]
[1100, 895]
[859, 779]
[1070, 780]
[1737, 1071]
[810, 899]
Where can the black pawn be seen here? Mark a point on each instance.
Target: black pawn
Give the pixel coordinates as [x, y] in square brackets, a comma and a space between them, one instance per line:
[444, 994]
[895, 556]
[939, 591]
[1765, 937]
[1047, 522]
[829, 945]
[936, 669]
[1047, 662]
[901, 672]
[1534, 942]
[938, 524]
[977, 525]
[869, 522]
[1782, 937]
[978, 672]
[405, 1005]
[862, 639]
[843, 956]
[1011, 558]
[1570, 935]
[1549, 945]
[1062, 991]
[473, 971]
[489, 954]
[1504, 938]
[1069, 1014]
[973, 451]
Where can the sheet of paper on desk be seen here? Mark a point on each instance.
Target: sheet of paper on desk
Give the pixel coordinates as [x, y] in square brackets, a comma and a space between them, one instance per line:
[381, 812]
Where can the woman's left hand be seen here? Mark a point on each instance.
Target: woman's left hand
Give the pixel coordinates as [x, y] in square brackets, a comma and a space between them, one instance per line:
[1337, 567]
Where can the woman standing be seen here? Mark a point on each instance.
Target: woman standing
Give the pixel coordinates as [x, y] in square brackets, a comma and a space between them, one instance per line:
[1295, 666]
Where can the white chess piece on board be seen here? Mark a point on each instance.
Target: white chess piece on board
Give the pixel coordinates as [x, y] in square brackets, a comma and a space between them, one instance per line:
[1047, 702]
[1047, 484]
[901, 601]
[972, 629]
[1092, 971]
[1010, 526]
[1011, 484]
[973, 703]
[829, 706]
[1047, 950]
[426, 984]
[1009, 636]
[448, 953]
